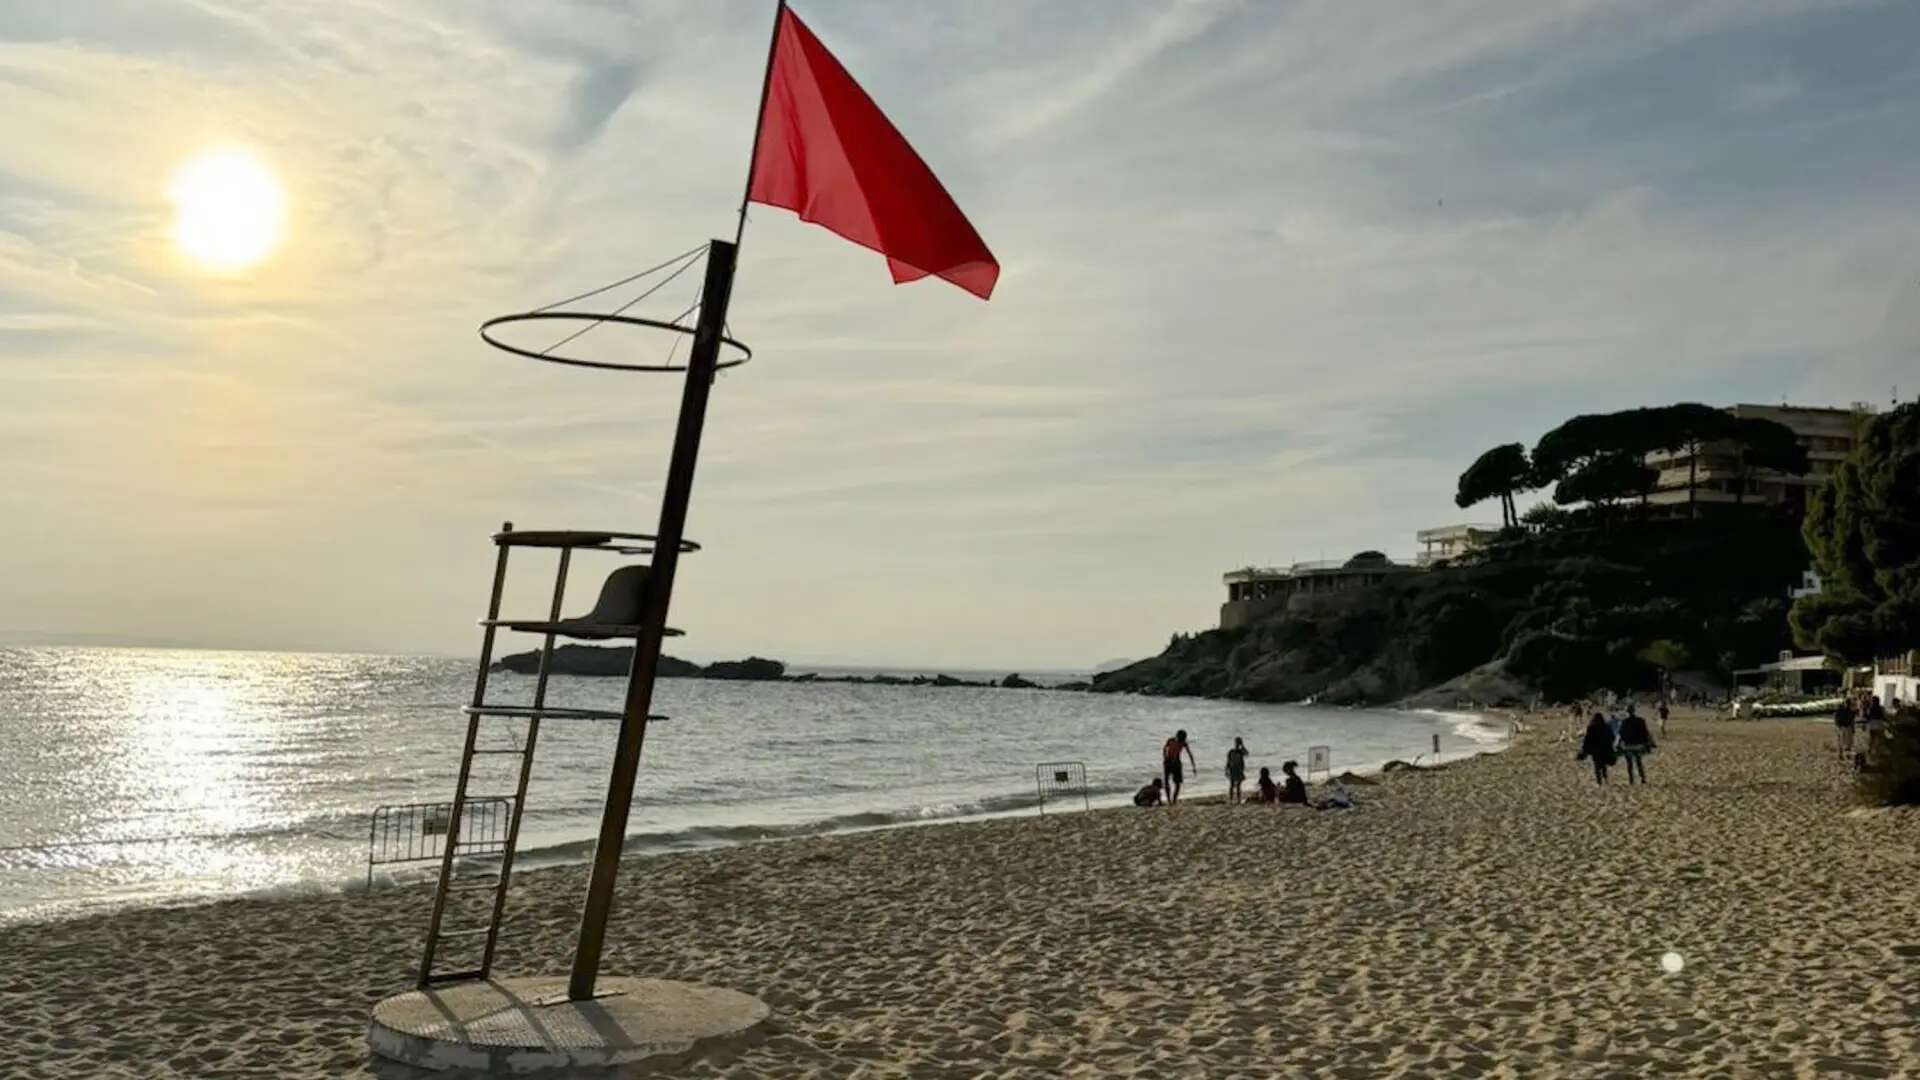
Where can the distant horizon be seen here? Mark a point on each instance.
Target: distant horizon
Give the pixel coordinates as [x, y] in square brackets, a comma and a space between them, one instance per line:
[10, 639]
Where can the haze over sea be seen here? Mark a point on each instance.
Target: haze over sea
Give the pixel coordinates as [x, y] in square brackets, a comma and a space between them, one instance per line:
[137, 777]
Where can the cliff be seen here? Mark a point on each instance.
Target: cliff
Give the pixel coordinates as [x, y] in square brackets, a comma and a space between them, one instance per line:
[1589, 605]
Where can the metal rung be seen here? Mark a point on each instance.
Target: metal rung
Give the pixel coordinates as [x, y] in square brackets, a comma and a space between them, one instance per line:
[474, 886]
[583, 631]
[503, 750]
[526, 712]
[505, 930]
[456, 976]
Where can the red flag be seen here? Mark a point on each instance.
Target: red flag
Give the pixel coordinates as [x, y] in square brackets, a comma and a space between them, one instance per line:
[826, 152]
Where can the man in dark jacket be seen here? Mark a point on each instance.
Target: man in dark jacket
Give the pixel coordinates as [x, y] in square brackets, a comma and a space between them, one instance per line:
[1635, 741]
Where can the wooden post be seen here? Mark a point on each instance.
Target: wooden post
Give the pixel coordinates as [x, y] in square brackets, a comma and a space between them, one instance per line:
[657, 591]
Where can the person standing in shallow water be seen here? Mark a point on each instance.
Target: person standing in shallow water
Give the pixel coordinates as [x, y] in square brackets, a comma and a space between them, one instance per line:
[1170, 769]
[1635, 741]
[1236, 770]
[1597, 745]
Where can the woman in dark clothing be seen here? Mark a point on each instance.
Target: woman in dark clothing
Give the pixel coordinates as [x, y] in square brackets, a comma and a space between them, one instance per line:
[1294, 790]
[1635, 741]
[1597, 745]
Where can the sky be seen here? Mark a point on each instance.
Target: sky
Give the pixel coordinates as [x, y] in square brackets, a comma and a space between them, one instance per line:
[1273, 274]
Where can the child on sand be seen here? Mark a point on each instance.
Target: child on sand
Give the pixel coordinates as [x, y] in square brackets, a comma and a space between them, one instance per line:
[1236, 770]
[1597, 745]
[1269, 791]
[1149, 795]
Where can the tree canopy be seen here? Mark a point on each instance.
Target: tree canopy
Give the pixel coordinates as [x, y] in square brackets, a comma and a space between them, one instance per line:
[1863, 530]
[1766, 444]
[1606, 479]
[1585, 459]
[1501, 472]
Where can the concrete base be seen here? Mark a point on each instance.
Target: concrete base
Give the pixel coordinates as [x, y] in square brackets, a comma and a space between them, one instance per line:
[527, 1025]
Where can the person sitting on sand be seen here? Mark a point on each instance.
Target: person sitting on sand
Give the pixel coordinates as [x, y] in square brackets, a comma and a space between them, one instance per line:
[1296, 789]
[1149, 795]
[1338, 798]
[1170, 764]
[1236, 770]
[1635, 742]
[1597, 745]
[1269, 791]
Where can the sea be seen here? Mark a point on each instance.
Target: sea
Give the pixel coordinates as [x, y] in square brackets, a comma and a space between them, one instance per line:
[137, 777]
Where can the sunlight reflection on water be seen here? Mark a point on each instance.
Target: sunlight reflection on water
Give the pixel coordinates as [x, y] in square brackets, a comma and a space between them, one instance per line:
[260, 769]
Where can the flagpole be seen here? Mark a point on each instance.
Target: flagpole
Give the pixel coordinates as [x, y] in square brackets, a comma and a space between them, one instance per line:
[760, 119]
[701, 366]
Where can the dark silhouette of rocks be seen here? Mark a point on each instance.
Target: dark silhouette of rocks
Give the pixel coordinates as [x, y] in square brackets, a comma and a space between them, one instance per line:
[753, 668]
[596, 660]
[592, 660]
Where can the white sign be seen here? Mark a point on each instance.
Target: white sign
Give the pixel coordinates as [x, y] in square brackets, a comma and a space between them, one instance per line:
[1319, 759]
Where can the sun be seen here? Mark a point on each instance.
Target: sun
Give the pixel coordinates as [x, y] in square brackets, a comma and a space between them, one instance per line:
[228, 209]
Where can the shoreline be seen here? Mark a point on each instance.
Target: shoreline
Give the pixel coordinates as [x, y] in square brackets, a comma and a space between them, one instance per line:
[1496, 915]
[1472, 734]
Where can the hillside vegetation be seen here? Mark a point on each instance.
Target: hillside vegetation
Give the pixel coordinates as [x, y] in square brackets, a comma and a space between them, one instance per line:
[1598, 591]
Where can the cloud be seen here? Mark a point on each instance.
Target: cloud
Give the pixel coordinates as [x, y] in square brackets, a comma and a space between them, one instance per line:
[1768, 92]
[601, 90]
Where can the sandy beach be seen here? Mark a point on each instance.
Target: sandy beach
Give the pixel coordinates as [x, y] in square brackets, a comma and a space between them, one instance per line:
[1498, 917]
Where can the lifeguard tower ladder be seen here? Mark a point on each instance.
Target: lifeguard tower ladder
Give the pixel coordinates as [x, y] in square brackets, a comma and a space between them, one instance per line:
[470, 899]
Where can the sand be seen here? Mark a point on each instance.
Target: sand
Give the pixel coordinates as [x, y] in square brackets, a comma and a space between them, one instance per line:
[1501, 917]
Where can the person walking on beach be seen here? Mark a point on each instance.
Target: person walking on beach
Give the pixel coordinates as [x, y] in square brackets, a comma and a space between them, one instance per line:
[1873, 717]
[1236, 769]
[1843, 728]
[1597, 746]
[1663, 719]
[1170, 752]
[1635, 742]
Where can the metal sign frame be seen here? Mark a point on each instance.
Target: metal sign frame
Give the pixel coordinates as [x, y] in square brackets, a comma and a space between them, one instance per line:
[1319, 759]
[1058, 777]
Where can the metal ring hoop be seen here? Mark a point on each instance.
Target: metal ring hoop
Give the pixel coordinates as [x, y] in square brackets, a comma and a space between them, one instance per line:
[486, 334]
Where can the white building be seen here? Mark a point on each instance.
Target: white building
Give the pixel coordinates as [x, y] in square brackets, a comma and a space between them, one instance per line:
[1451, 542]
[1894, 678]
